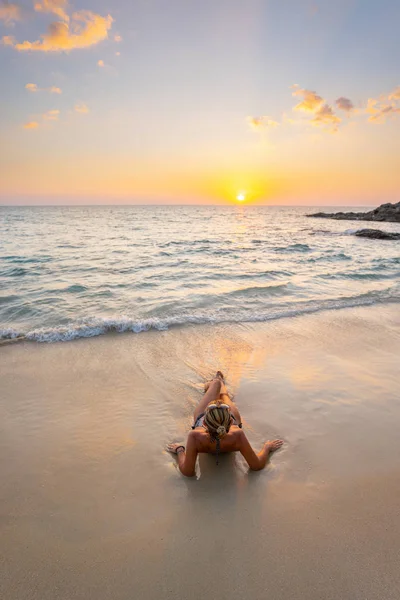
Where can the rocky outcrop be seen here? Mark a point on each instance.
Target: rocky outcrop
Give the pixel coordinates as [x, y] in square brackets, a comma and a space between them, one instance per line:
[377, 234]
[386, 212]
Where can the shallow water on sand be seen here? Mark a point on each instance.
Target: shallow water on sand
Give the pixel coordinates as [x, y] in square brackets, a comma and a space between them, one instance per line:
[69, 272]
[93, 506]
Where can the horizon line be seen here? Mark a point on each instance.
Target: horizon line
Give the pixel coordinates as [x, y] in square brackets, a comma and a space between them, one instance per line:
[189, 205]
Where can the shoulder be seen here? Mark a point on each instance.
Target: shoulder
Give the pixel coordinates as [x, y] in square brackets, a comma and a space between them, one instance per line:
[237, 431]
[196, 435]
[238, 434]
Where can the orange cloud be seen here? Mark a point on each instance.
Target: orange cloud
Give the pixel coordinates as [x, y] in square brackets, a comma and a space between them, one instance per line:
[263, 122]
[8, 40]
[81, 108]
[380, 114]
[9, 13]
[56, 7]
[395, 95]
[31, 125]
[321, 114]
[86, 29]
[51, 115]
[100, 63]
[325, 116]
[31, 87]
[387, 105]
[117, 38]
[311, 101]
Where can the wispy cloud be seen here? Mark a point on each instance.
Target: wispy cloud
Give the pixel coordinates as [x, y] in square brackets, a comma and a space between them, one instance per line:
[100, 63]
[31, 125]
[9, 13]
[81, 108]
[395, 95]
[117, 38]
[118, 54]
[325, 117]
[85, 29]
[54, 115]
[380, 112]
[33, 87]
[384, 107]
[344, 104]
[319, 113]
[311, 100]
[263, 122]
[323, 114]
[51, 115]
[8, 40]
[56, 7]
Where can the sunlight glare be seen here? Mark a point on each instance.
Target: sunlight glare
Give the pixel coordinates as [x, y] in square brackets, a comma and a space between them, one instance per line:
[241, 197]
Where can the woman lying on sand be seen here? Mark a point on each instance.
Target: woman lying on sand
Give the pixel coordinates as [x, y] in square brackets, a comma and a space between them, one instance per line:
[218, 428]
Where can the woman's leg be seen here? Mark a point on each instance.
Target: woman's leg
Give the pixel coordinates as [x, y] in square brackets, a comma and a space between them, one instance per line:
[223, 397]
[226, 400]
[212, 393]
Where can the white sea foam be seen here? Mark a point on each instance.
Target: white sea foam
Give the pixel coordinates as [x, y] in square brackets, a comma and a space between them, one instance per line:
[95, 326]
[10, 334]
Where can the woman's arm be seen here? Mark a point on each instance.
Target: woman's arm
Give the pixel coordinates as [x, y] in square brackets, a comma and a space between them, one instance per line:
[187, 458]
[258, 461]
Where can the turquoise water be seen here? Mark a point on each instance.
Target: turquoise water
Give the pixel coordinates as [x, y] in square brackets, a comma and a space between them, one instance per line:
[70, 272]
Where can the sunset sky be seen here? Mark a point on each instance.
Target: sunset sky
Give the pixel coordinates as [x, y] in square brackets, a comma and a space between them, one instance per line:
[189, 101]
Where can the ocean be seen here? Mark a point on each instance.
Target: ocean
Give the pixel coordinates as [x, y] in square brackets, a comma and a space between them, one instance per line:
[72, 272]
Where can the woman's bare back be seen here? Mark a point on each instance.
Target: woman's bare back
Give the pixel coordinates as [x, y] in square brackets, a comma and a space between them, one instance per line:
[229, 443]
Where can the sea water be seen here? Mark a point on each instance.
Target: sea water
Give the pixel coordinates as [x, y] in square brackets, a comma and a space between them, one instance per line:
[70, 272]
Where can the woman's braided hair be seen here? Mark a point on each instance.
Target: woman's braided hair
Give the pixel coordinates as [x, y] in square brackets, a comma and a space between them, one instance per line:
[217, 421]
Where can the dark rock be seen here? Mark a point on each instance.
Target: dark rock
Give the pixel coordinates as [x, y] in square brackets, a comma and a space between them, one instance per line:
[386, 212]
[377, 234]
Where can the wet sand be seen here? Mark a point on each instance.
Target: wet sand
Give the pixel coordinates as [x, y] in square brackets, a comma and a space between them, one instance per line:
[93, 507]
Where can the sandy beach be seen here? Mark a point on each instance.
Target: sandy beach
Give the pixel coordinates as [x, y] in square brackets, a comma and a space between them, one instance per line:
[93, 507]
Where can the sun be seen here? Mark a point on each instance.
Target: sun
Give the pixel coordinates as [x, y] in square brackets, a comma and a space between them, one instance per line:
[241, 197]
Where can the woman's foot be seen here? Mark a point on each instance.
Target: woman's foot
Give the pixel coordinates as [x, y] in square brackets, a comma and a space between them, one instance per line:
[219, 375]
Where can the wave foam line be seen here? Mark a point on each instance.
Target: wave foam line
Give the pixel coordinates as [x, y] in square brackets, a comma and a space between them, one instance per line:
[95, 326]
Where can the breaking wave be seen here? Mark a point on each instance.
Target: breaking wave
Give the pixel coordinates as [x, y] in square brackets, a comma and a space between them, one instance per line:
[95, 326]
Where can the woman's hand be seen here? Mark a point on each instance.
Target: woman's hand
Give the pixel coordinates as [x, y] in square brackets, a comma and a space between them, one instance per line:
[273, 445]
[186, 456]
[173, 448]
